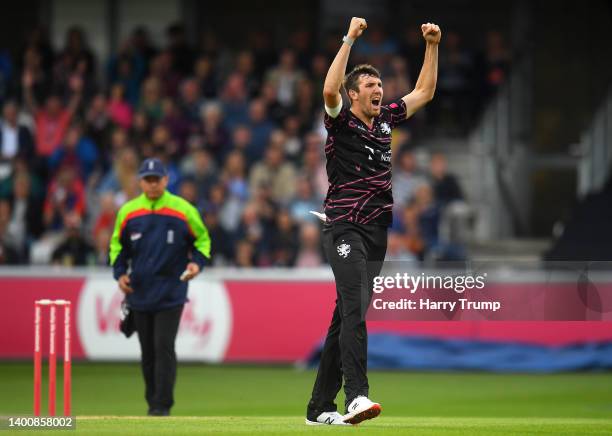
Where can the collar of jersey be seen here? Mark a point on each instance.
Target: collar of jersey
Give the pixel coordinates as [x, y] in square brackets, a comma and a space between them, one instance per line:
[370, 129]
[154, 204]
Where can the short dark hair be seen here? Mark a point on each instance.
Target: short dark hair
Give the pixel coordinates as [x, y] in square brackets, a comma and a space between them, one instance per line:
[351, 80]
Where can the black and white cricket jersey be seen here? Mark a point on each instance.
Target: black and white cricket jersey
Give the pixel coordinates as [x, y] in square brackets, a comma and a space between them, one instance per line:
[359, 166]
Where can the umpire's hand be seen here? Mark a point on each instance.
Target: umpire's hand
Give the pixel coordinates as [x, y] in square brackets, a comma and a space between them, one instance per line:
[190, 272]
[124, 284]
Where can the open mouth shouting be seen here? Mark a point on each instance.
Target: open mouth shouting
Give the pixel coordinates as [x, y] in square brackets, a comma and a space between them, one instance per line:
[376, 103]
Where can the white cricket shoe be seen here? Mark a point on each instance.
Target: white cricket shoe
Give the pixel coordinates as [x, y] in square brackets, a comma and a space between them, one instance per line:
[360, 409]
[327, 418]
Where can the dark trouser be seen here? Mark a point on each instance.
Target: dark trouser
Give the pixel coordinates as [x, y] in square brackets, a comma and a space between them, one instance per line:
[157, 333]
[356, 254]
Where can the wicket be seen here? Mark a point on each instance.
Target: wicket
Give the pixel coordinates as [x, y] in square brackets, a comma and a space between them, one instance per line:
[38, 306]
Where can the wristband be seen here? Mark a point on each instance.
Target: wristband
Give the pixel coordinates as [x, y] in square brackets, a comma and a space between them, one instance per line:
[348, 40]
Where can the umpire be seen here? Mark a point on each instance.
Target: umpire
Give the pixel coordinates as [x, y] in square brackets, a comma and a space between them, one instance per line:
[159, 243]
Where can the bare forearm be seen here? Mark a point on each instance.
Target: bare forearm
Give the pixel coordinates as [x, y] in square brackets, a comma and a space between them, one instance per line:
[426, 84]
[335, 74]
[428, 76]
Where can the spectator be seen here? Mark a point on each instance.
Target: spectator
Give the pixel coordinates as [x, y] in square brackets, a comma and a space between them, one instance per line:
[293, 143]
[105, 217]
[103, 227]
[245, 65]
[25, 221]
[266, 208]
[52, 121]
[313, 167]
[309, 254]
[101, 245]
[284, 246]
[127, 69]
[408, 226]
[446, 187]
[318, 70]
[76, 151]
[285, 78]
[234, 101]
[190, 100]
[396, 248]
[163, 142]
[119, 110]
[189, 191]
[76, 56]
[376, 47]
[234, 177]
[222, 250]
[200, 167]
[428, 215]
[254, 231]
[150, 100]
[245, 254]
[37, 40]
[98, 122]
[276, 173]
[276, 112]
[398, 70]
[261, 129]
[41, 76]
[141, 129]
[306, 105]
[15, 139]
[228, 210]
[8, 253]
[179, 127]
[205, 77]
[174, 175]
[142, 45]
[304, 202]
[74, 250]
[21, 166]
[406, 178]
[241, 141]
[301, 41]
[215, 137]
[66, 194]
[161, 69]
[123, 172]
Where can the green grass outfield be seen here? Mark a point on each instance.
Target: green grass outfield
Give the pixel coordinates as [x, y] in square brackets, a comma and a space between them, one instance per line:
[108, 399]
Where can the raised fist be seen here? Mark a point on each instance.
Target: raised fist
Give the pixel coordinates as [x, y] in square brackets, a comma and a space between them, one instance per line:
[358, 25]
[431, 33]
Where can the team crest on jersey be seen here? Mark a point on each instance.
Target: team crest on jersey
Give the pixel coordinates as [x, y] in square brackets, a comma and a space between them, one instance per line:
[343, 250]
[384, 127]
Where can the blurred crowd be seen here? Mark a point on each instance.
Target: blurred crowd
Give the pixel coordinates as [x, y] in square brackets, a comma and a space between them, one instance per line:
[240, 131]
